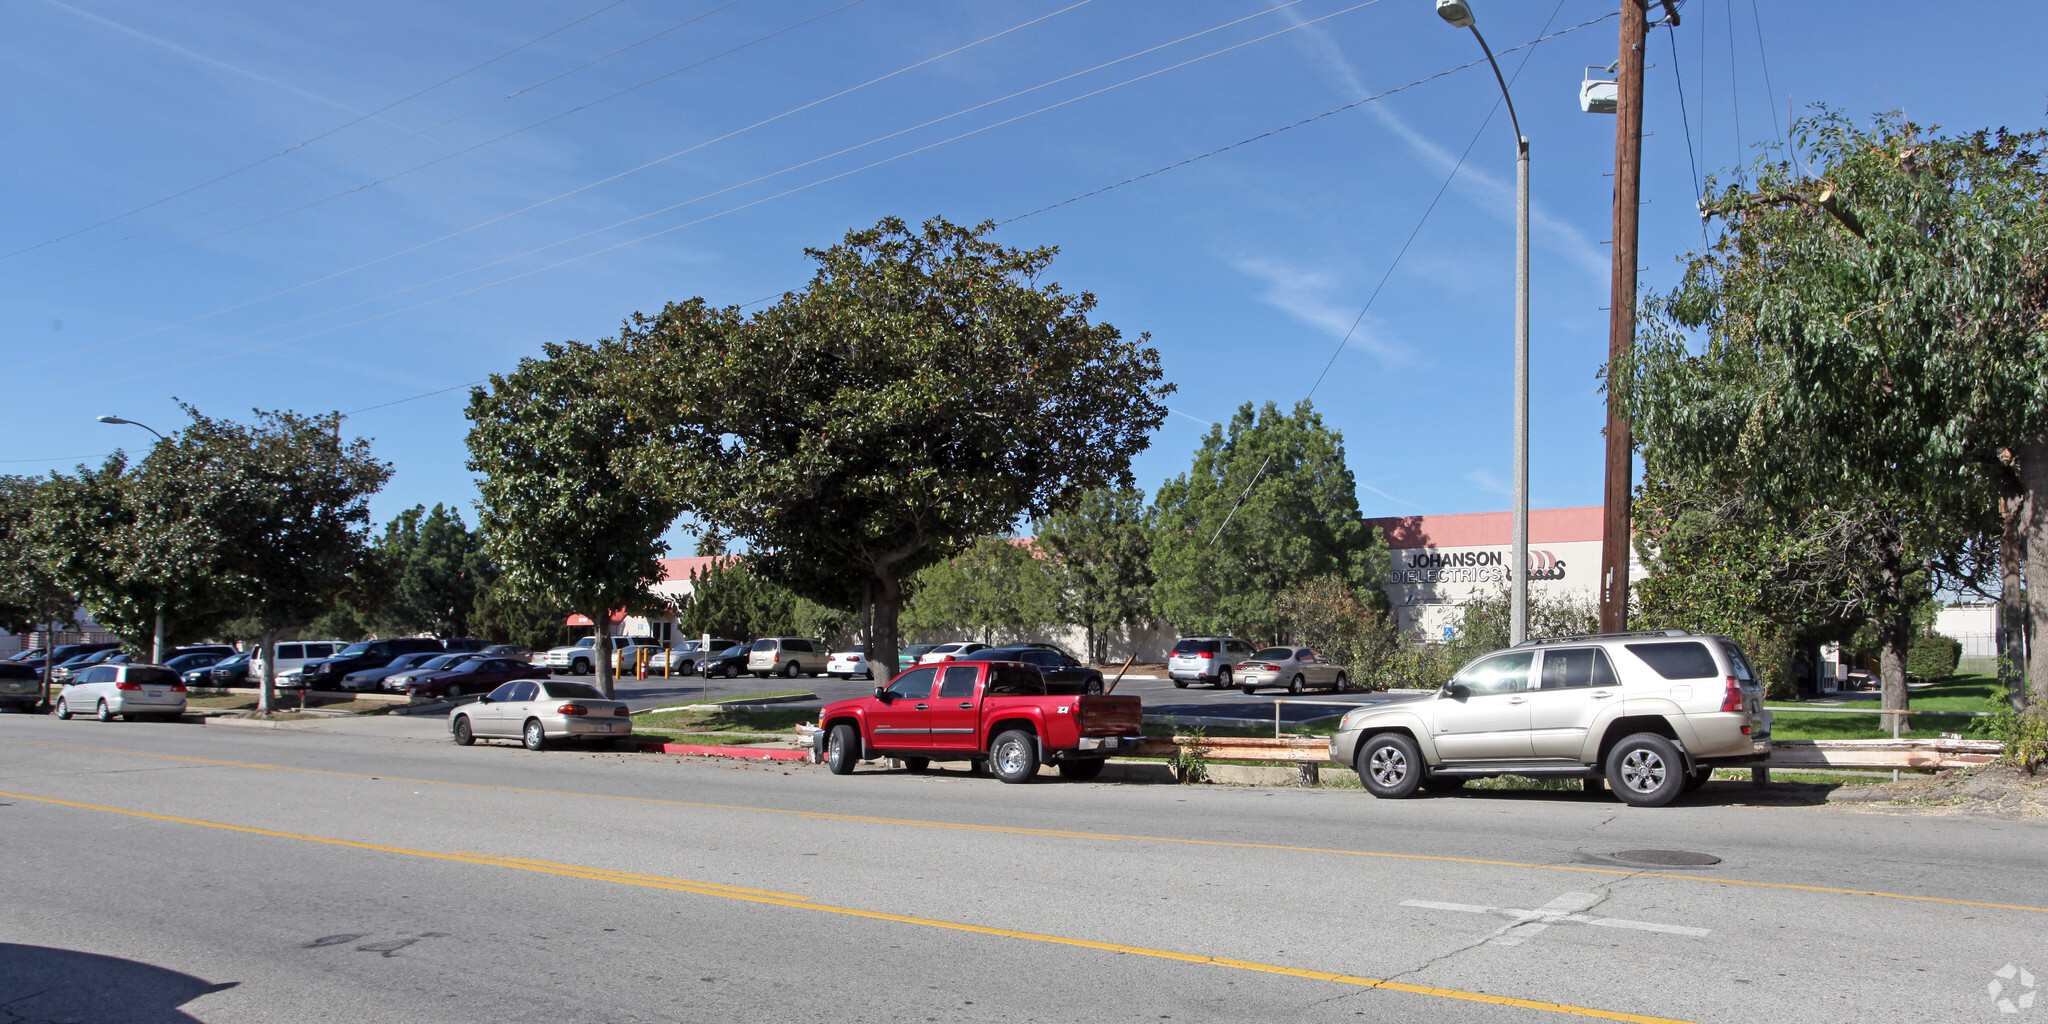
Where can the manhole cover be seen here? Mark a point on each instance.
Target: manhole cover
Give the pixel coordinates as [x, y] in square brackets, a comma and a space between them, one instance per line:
[1667, 858]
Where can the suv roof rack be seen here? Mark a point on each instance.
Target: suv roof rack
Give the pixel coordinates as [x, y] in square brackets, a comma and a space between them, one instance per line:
[1541, 640]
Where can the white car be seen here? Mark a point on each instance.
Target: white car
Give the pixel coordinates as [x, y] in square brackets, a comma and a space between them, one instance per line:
[849, 663]
[538, 711]
[292, 656]
[950, 652]
[132, 691]
[580, 658]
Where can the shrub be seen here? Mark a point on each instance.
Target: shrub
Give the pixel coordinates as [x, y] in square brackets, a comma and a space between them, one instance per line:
[1933, 656]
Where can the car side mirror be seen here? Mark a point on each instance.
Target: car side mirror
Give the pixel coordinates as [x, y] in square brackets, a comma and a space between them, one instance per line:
[1459, 691]
[882, 694]
[483, 700]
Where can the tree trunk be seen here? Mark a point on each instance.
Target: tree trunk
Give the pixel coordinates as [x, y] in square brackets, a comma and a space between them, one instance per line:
[2033, 466]
[604, 655]
[2012, 607]
[1894, 621]
[266, 649]
[888, 597]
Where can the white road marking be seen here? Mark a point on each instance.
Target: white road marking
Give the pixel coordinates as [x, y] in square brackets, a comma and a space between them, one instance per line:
[1526, 924]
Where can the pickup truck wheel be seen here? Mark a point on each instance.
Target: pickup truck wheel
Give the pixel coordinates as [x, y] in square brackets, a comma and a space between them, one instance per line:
[1013, 757]
[1390, 766]
[463, 737]
[1223, 678]
[1644, 770]
[1081, 771]
[917, 764]
[579, 668]
[842, 749]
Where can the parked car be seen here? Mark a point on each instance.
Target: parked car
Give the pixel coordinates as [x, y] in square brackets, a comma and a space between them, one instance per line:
[1296, 668]
[849, 663]
[377, 678]
[539, 712]
[224, 650]
[63, 653]
[232, 672]
[395, 682]
[682, 658]
[912, 655]
[580, 658]
[327, 672]
[1063, 672]
[939, 654]
[728, 663]
[513, 651]
[68, 670]
[476, 675]
[293, 655]
[195, 661]
[1651, 712]
[1207, 659]
[785, 656]
[20, 686]
[996, 713]
[130, 690]
[464, 644]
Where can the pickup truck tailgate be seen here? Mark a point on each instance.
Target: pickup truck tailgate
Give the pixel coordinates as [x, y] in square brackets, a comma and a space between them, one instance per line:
[1110, 716]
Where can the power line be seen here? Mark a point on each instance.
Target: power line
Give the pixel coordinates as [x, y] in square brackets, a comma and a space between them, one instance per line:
[700, 198]
[414, 398]
[1770, 90]
[1699, 196]
[344, 126]
[402, 173]
[1734, 84]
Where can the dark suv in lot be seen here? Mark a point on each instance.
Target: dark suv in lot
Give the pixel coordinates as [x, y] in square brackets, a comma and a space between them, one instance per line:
[326, 673]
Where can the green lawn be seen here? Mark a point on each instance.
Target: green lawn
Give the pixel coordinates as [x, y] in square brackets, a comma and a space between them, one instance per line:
[1963, 692]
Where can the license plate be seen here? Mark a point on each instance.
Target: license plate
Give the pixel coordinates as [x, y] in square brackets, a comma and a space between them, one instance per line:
[608, 727]
[156, 693]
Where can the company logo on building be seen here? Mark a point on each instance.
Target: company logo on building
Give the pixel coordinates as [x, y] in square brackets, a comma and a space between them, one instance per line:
[1470, 567]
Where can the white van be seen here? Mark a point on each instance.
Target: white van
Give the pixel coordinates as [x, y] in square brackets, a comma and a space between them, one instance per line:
[292, 654]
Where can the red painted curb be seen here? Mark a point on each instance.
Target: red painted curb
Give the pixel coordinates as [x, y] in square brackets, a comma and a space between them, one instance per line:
[744, 753]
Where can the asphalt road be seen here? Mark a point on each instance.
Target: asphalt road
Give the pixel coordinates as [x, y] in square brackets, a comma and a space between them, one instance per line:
[176, 872]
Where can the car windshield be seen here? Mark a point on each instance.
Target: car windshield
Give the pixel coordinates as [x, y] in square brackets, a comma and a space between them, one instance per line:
[236, 660]
[733, 652]
[443, 661]
[354, 649]
[1274, 654]
[580, 691]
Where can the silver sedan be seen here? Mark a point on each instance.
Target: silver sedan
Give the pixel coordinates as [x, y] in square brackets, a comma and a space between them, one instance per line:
[540, 711]
[1296, 668]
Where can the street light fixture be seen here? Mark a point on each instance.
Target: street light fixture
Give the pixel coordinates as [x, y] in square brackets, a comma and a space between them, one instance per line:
[1459, 14]
[156, 650]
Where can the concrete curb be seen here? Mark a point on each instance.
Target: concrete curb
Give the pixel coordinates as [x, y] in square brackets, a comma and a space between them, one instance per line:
[739, 703]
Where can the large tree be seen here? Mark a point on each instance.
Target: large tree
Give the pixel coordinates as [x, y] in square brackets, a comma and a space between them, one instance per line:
[929, 386]
[1873, 321]
[437, 572]
[1101, 552]
[999, 588]
[31, 595]
[558, 520]
[1268, 504]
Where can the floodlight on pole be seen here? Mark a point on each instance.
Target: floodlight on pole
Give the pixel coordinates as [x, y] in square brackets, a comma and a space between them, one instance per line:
[132, 423]
[1459, 14]
[156, 651]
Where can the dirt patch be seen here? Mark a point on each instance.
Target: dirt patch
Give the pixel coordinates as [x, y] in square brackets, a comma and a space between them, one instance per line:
[1992, 788]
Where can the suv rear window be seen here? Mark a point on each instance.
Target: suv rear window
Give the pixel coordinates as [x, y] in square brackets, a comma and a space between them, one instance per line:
[153, 676]
[1197, 647]
[1684, 659]
[764, 645]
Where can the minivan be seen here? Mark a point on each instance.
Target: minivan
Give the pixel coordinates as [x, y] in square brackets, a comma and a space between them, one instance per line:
[293, 654]
[785, 656]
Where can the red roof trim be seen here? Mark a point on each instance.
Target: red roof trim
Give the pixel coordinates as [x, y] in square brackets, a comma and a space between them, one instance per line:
[1486, 529]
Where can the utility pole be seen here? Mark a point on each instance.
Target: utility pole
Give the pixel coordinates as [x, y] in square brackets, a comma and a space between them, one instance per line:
[1621, 317]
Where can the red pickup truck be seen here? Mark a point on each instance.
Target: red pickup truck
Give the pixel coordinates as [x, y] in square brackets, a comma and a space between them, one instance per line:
[992, 712]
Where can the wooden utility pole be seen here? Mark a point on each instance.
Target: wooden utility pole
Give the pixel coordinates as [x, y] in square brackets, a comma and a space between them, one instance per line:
[1621, 322]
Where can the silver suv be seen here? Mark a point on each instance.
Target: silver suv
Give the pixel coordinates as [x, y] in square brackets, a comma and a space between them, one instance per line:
[1651, 712]
[1207, 659]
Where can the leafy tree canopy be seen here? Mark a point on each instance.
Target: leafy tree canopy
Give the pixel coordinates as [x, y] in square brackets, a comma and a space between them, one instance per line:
[1101, 553]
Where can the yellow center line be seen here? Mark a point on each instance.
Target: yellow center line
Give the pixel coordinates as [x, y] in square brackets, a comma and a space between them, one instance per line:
[1062, 834]
[608, 875]
[800, 903]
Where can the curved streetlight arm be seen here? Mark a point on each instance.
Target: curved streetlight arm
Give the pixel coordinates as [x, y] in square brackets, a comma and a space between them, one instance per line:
[132, 423]
[1520, 139]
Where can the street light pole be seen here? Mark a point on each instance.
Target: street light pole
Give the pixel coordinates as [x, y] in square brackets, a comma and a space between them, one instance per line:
[156, 647]
[1459, 14]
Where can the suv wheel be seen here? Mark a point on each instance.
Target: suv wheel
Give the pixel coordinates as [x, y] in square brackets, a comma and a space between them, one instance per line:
[1223, 678]
[1390, 766]
[1645, 770]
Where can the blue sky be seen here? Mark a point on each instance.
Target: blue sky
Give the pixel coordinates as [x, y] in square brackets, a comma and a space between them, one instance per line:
[385, 249]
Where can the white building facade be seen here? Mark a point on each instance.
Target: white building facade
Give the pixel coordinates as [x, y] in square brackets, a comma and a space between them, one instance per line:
[1437, 564]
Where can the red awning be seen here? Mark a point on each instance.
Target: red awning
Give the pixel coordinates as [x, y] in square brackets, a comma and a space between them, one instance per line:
[614, 619]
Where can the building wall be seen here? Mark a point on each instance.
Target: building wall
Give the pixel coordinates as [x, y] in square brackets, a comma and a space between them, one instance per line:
[1975, 626]
[1438, 564]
